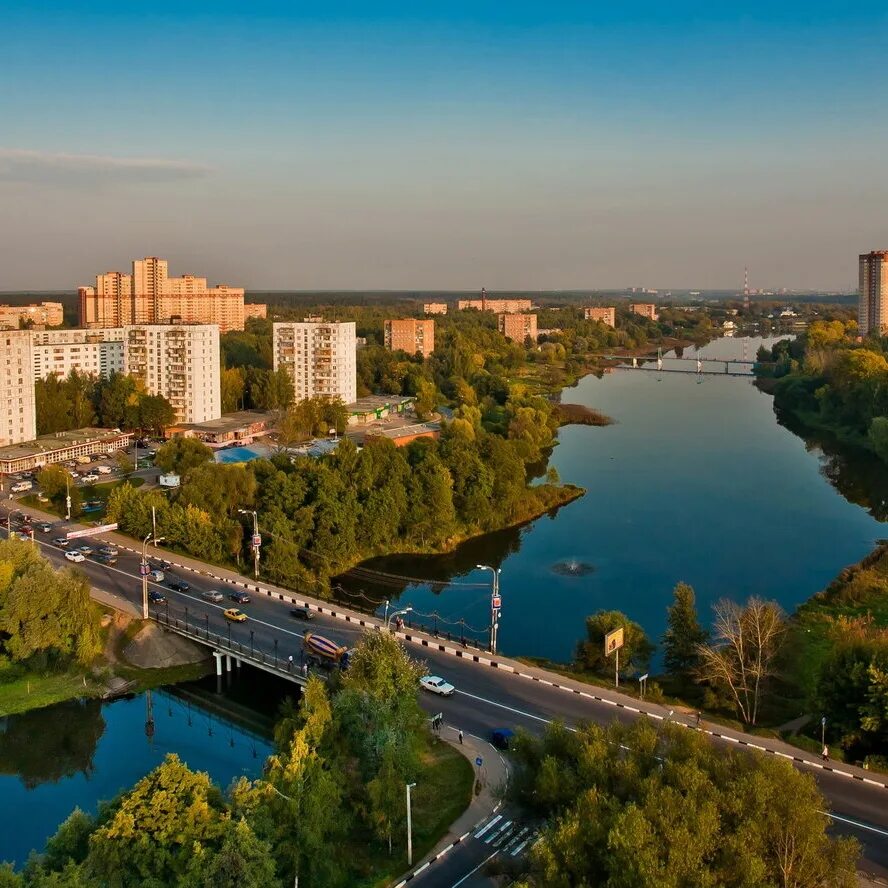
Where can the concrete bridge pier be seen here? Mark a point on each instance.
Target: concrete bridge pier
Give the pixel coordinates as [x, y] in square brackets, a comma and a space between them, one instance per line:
[218, 657]
[228, 662]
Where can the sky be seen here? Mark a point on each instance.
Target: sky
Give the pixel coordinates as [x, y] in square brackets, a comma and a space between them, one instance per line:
[427, 145]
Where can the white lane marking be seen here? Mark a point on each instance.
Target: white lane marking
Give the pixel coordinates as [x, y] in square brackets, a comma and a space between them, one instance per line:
[472, 873]
[489, 825]
[545, 721]
[423, 867]
[856, 823]
[523, 845]
[494, 836]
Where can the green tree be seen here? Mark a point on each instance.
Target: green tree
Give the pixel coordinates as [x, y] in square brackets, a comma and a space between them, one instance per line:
[232, 385]
[684, 634]
[878, 437]
[242, 861]
[155, 413]
[635, 653]
[180, 454]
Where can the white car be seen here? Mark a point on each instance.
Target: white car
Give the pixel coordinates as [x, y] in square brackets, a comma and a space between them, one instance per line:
[75, 556]
[91, 478]
[434, 684]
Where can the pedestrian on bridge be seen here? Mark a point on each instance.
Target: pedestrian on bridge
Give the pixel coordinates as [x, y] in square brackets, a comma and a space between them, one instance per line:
[290, 663]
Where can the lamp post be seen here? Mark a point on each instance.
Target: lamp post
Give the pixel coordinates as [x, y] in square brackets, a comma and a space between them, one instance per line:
[67, 496]
[409, 827]
[385, 617]
[256, 541]
[495, 604]
[143, 569]
[393, 614]
[823, 731]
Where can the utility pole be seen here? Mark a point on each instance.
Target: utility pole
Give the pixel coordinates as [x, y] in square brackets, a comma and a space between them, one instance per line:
[143, 570]
[495, 604]
[256, 541]
[409, 827]
[67, 495]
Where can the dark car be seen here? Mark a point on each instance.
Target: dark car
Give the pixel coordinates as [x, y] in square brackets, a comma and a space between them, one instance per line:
[106, 559]
[156, 597]
[109, 550]
[61, 541]
[501, 738]
[179, 585]
[240, 597]
[301, 613]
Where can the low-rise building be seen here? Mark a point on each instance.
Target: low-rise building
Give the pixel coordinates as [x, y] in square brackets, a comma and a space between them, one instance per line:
[645, 309]
[43, 314]
[518, 327]
[375, 407]
[410, 335]
[241, 427]
[606, 315]
[61, 447]
[435, 308]
[403, 435]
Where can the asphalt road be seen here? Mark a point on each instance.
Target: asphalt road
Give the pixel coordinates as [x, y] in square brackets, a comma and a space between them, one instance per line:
[485, 699]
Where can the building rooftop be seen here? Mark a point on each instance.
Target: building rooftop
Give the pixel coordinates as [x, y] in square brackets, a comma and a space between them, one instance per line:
[375, 402]
[58, 440]
[228, 422]
[419, 428]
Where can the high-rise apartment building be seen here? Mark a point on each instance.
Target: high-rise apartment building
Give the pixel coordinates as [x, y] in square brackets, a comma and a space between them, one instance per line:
[645, 309]
[872, 300]
[150, 296]
[18, 420]
[180, 362]
[411, 336]
[94, 352]
[319, 357]
[255, 310]
[503, 306]
[435, 308]
[605, 315]
[518, 327]
[43, 314]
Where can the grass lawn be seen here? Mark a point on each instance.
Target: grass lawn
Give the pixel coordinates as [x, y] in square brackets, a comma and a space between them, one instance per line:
[21, 690]
[443, 791]
[100, 491]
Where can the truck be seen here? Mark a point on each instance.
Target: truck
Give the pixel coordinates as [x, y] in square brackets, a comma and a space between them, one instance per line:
[321, 651]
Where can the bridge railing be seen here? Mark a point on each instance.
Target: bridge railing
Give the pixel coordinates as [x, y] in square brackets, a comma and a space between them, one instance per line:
[273, 660]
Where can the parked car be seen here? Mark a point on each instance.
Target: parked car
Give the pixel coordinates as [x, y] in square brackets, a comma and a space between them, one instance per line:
[235, 615]
[75, 556]
[156, 597]
[61, 542]
[179, 585]
[434, 684]
[90, 478]
[301, 613]
[211, 595]
[157, 576]
[501, 738]
[240, 597]
[104, 470]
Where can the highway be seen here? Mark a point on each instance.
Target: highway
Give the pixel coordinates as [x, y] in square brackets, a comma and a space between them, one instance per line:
[486, 698]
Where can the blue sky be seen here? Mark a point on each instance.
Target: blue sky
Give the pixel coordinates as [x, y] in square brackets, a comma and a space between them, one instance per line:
[512, 145]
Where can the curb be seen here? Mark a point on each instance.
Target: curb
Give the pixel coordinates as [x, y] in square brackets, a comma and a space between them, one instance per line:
[459, 653]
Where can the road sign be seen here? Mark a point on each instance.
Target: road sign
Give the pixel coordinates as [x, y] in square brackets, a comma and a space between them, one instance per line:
[479, 761]
[90, 531]
[613, 641]
[643, 677]
[496, 602]
[257, 541]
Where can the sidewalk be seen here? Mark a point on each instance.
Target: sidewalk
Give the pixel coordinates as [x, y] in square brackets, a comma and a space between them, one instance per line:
[502, 664]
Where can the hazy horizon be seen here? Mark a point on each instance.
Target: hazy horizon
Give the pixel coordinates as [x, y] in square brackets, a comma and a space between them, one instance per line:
[575, 146]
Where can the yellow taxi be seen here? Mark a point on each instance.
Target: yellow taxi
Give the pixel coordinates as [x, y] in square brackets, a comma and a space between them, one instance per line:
[235, 615]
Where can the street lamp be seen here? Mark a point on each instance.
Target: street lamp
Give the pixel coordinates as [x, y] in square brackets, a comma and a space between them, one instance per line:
[143, 569]
[495, 604]
[409, 827]
[256, 541]
[393, 614]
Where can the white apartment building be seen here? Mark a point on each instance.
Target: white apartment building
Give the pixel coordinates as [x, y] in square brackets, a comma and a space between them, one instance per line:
[18, 420]
[180, 362]
[320, 358]
[872, 305]
[95, 352]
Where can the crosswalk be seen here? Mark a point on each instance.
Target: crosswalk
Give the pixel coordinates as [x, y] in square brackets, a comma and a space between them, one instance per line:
[506, 836]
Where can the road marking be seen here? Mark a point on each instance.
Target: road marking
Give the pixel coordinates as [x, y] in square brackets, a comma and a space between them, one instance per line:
[545, 721]
[856, 823]
[495, 836]
[489, 825]
[472, 873]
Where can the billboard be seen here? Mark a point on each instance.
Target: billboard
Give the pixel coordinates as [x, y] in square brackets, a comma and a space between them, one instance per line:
[613, 641]
[90, 531]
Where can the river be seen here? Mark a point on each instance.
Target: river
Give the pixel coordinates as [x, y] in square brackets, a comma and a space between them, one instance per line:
[82, 752]
[695, 481]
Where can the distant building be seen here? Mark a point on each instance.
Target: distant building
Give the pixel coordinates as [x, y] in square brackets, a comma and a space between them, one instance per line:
[645, 309]
[255, 310]
[150, 296]
[435, 308]
[18, 421]
[60, 447]
[44, 314]
[241, 427]
[403, 435]
[375, 407]
[319, 356]
[180, 362]
[55, 353]
[502, 306]
[872, 305]
[518, 327]
[606, 315]
[410, 335]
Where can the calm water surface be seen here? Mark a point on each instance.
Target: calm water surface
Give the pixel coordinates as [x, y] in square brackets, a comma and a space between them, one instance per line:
[696, 481]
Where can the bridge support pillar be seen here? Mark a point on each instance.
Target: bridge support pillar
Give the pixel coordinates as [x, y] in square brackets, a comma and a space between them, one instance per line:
[237, 662]
[228, 662]
[218, 657]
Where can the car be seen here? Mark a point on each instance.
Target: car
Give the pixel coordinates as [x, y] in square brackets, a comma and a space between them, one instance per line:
[19, 535]
[86, 550]
[240, 597]
[235, 615]
[179, 585]
[157, 576]
[156, 597]
[501, 738]
[26, 528]
[60, 541]
[301, 613]
[45, 527]
[75, 556]
[160, 564]
[90, 478]
[434, 684]
[106, 559]
[109, 550]
[212, 595]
